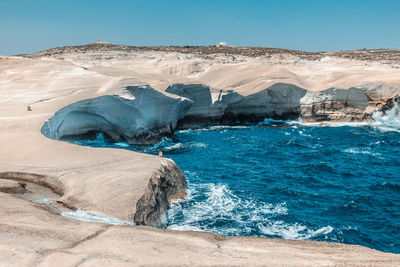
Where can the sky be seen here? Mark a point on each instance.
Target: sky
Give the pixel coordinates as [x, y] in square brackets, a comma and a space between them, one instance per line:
[28, 26]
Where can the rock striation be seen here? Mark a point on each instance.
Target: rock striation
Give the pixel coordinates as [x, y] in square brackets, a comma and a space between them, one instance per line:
[142, 119]
[334, 104]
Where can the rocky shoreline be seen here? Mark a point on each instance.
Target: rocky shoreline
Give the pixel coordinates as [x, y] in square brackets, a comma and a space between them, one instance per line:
[139, 95]
[144, 115]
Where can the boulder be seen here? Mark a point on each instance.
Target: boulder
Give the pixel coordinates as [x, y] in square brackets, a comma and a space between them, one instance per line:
[142, 118]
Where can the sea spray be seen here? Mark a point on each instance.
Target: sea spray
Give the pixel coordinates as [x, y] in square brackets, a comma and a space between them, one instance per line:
[388, 120]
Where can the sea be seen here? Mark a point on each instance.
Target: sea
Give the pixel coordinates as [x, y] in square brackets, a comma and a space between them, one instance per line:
[337, 182]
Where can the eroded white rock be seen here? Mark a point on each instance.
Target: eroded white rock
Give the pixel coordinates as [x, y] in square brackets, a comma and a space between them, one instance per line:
[207, 108]
[142, 119]
[280, 100]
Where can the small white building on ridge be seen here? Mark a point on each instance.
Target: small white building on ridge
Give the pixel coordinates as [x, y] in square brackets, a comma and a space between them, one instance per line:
[222, 44]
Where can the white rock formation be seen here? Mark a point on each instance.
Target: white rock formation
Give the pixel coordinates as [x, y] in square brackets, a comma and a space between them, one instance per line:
[142, 119]
[208, 108]
[278, 101]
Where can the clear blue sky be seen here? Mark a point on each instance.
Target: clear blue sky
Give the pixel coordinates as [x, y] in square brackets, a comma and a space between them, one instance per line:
[312, 25]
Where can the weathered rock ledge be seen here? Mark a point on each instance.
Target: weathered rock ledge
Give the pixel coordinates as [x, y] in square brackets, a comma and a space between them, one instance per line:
[34, 236]
[148, 204]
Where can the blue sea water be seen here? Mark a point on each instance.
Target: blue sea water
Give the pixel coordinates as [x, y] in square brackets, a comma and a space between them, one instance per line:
[287, 180]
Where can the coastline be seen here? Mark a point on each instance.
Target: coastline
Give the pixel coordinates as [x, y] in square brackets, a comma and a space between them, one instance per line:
[114, 182]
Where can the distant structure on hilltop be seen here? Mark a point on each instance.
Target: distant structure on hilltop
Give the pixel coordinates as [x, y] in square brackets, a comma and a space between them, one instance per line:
[101, 42]
[222, 44]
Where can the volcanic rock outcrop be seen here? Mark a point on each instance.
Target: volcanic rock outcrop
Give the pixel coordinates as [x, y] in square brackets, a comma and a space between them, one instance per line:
[143, 119]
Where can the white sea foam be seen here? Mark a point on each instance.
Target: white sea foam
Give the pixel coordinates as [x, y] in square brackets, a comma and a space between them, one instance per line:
[122, 144]
[299, 121]
[185, 227]
[173, 147]
[44, 200]
[93, 216]
[365, 151]
[290, 122]
[219, 204]
[177, 146]
[291, 231]
[222, 204]
[221, 127]
[390, 121]
[185, 131]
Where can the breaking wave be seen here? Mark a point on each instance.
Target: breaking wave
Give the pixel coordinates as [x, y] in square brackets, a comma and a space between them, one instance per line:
[208, 207]
[388, 121]
[383, 121]
[214, 128]
[294, 231]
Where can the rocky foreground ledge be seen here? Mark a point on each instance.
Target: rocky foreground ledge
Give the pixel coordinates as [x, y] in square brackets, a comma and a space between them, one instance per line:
[139, 95]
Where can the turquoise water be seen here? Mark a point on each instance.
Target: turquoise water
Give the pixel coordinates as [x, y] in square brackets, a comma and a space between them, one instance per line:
[287, 180]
